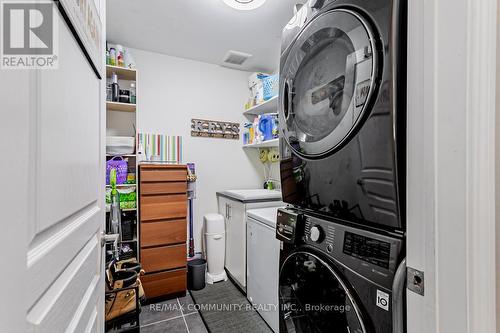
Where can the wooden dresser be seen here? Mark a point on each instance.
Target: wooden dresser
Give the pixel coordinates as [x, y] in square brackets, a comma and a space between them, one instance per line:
[163, 212]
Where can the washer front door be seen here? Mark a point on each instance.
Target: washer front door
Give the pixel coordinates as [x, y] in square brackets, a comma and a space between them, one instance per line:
[327, 81]
[313, 298]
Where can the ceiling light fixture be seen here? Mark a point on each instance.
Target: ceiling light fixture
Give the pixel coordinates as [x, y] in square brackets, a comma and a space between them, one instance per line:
[244, 4]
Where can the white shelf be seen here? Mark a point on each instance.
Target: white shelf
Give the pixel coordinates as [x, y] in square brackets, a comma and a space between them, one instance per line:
[123, 185]
[123, 73]
[264, 144]
[118, 106]
[269, 106]
[122, 155]
[122, 210]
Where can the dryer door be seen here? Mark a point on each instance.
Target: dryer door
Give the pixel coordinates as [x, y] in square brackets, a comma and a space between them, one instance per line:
[313, 298]
[327, 81]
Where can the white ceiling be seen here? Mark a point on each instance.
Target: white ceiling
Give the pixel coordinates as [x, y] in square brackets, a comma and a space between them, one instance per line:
[202, 30]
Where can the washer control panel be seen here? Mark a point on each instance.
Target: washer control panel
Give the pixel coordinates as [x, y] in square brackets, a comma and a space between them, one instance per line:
[368, 253]
[319, 233]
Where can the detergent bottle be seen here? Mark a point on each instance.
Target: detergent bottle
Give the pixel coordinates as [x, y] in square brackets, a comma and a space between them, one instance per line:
[266, 124]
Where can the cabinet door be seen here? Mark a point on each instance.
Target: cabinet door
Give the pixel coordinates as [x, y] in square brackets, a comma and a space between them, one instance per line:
[222, 204]
[236, 241]
[263, 251]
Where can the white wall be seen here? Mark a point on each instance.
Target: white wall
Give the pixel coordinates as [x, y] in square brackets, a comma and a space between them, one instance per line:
[171, 91]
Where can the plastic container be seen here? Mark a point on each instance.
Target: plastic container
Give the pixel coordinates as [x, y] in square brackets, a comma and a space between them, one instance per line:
[215, 244]
[120, 145]
[255, 78]
[112, 56]
[266, 124]
[109, 92]
[121, 167]
[124, 96]
[128, 59]
[132, 93]
[270, 86]
[120, 62]
[196, 274]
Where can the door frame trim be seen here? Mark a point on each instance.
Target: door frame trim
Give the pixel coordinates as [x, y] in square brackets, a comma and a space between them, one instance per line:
[480, 218]
[451, 164]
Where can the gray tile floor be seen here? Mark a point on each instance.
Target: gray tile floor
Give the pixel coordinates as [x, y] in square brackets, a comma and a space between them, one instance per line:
[174, 316]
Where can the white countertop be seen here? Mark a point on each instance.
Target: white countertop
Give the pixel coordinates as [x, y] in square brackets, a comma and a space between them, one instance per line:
[252, 195]
[264, 215]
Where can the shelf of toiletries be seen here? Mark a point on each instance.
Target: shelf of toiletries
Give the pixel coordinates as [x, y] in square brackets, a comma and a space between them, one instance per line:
[269, 106]
[262, 132]
[263, 94]
[262, 108]
[123, 93]
[121, 78]
[119, 57]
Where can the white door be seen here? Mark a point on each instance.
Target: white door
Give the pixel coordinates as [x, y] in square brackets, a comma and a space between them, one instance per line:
[53, 280]
[263, 255]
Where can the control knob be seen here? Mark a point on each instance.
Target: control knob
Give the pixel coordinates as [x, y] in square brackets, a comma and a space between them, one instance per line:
[317, 234]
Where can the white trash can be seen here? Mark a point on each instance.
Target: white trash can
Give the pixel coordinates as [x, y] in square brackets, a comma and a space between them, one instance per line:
[215, 244]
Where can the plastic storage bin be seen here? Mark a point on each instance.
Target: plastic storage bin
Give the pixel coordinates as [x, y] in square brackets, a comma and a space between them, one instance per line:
[215, 245]
[120, 145]
[270, 86]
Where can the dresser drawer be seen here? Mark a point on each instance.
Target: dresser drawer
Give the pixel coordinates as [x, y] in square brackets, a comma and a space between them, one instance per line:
[164, 283]
[163, 188]
[162, 258]
[163, 174]
[163, 207]
[163, 233]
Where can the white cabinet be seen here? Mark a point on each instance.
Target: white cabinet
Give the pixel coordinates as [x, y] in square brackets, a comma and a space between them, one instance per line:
[234, 215]
[263, 251]
[234, 212]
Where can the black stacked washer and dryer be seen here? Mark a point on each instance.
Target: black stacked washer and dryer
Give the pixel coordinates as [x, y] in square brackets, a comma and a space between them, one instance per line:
[343, 163]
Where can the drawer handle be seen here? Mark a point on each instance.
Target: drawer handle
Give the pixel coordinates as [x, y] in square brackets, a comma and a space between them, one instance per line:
[217, 236]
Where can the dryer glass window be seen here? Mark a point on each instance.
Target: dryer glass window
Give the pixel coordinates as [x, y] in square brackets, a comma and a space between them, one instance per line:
[314, 299]
[327, 80]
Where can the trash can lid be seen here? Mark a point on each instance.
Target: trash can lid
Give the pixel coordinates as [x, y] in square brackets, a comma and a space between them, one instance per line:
[214, 223]
[197, 262]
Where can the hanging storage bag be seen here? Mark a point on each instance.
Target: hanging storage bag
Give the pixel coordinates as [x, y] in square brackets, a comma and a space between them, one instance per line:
[121, 167]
